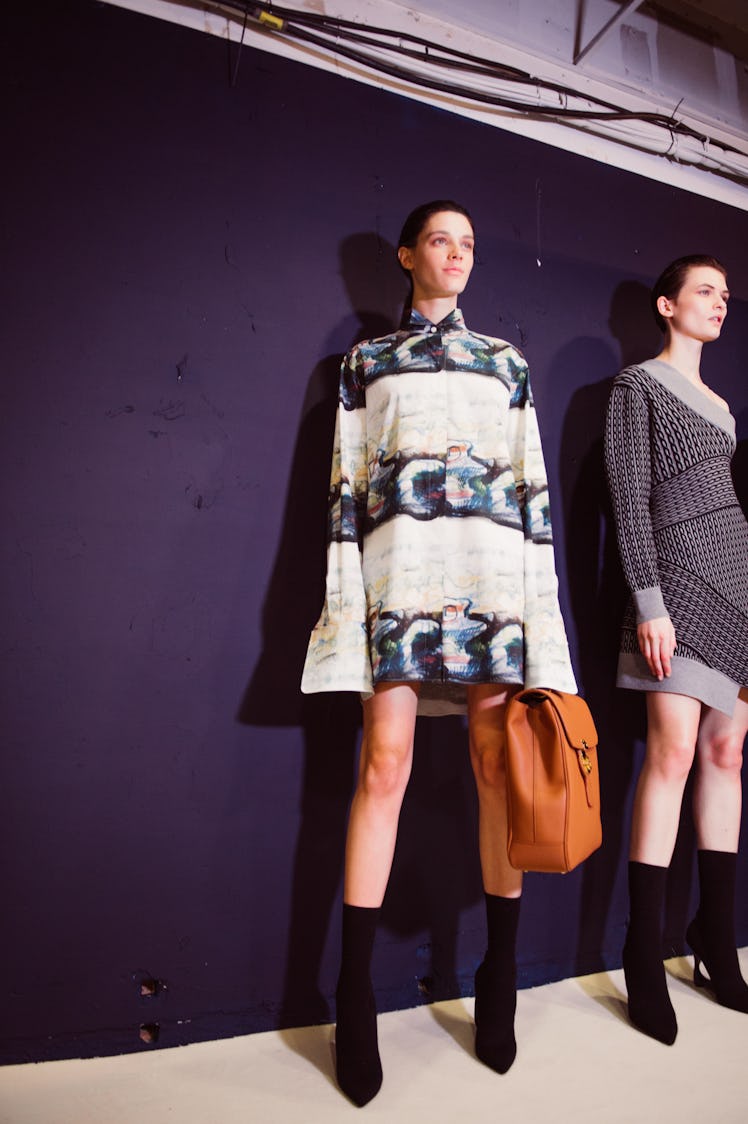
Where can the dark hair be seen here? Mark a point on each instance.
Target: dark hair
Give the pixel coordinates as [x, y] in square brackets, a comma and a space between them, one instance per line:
[673, 278]
[418, 218]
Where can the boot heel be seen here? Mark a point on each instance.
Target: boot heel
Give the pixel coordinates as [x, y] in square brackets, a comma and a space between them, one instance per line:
[699, 979]
[724, 980]
[693, 939]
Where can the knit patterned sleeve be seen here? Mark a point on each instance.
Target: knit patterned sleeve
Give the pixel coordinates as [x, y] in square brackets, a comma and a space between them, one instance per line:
[547, 660]
[628, 468]
[338, 653]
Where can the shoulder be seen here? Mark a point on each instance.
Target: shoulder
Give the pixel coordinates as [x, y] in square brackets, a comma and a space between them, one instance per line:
[490, 355]
[494, 345]
[366, 358]
[367, 349]
[374, 357]
[637, 378]
[633, 378]
[634, 385]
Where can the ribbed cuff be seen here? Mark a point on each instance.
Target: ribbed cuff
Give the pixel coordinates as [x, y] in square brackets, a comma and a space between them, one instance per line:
[649, 604]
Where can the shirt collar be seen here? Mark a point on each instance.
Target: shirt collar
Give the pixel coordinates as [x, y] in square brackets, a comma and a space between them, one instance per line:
[413, 321]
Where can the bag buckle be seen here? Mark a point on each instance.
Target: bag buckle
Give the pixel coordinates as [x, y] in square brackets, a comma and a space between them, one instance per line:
[584, 760]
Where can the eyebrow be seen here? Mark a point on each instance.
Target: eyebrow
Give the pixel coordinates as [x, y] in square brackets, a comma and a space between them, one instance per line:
[471, 237]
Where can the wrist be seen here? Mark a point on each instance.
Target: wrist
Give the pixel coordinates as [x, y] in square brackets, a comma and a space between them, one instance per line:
[649, 604]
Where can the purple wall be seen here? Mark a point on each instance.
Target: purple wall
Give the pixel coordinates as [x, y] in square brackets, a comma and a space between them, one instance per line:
[183, 265]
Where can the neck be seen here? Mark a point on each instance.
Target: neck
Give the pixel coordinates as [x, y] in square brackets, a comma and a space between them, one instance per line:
[684, 354]
[434, 308]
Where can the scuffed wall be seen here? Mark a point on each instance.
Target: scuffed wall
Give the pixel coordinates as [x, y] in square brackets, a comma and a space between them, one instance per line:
[184, 263]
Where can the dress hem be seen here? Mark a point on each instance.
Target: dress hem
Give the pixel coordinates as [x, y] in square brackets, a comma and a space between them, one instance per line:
[687, 677]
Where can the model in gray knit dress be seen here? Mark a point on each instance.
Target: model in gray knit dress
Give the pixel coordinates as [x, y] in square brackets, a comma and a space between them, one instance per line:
[683, 543]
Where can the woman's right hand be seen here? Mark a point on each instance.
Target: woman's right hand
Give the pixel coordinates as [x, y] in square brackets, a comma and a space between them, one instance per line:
[657, 644]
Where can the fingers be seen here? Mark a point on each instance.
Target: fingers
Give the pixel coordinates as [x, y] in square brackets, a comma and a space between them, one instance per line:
[666, 652]
[653, 654]
[657, 644]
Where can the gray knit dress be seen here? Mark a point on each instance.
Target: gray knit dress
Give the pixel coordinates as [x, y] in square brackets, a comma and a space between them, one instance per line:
[682, 536]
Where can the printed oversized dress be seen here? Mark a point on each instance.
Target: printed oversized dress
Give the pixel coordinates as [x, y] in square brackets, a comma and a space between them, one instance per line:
[440, 565]
[682, 536]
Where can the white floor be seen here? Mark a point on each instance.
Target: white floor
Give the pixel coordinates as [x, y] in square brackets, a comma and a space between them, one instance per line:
[578, 1060]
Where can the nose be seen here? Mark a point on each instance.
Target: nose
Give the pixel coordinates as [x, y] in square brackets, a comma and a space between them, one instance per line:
[455, 250]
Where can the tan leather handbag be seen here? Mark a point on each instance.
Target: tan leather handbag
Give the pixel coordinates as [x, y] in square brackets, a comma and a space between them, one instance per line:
[552, 781]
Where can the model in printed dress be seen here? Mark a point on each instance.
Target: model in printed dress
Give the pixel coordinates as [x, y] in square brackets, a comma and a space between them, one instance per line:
[441, 598]
[683, 542]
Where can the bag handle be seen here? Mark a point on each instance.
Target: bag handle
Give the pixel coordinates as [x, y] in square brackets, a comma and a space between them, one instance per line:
[573, 714]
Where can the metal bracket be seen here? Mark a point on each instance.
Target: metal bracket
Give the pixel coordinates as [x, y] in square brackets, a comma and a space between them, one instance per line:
[596, 40]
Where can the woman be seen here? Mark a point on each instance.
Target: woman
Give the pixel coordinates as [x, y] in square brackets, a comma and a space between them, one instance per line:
[683, 542]
[441, 598]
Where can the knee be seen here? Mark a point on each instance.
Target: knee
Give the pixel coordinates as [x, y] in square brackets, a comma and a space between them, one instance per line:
[724, 752]
[488, 761]
[671, 757]
[384, 770]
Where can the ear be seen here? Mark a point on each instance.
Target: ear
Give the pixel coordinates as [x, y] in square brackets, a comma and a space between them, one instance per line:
[405, 257]
[665, 307]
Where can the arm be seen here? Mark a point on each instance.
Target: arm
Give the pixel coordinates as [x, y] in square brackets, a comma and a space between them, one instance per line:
[547, 662]
[628, 467]
[338, 654]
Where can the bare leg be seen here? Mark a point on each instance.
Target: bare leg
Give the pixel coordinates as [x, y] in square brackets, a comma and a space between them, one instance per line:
[384, 769]
[496, 978]
[672, 729]
[717, 795]
[383, 773]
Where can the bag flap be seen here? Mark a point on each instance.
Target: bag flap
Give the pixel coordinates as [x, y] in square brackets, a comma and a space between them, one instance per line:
[572, 711]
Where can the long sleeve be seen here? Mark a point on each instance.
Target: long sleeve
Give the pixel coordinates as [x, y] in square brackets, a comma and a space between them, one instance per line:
[628, 467]
[547, 661]
[338, 655]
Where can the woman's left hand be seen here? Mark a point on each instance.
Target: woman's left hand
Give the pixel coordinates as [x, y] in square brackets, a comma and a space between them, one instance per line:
[657, 644]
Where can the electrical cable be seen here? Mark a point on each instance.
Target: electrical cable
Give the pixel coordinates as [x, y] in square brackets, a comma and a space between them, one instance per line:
[356, 42]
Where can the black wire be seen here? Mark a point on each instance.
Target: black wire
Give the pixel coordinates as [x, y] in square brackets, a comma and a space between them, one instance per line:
[241, 44]
[303, 25]
[494, 99]
[332, 26]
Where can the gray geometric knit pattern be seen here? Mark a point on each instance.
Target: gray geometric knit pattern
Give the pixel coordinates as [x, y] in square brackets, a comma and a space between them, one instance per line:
[679, 524]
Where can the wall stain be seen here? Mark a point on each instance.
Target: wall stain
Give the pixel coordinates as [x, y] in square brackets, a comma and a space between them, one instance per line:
[171, 410]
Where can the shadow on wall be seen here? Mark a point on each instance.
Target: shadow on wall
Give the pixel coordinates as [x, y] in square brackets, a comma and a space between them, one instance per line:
[598, 597]
[740, 478]
[740, 460]
[432, 874]
[597, 594]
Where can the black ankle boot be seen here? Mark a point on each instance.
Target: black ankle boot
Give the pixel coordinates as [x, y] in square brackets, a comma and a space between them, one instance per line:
[650, 1009]
[711, 934]
[357, 1063]
[496, 986]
